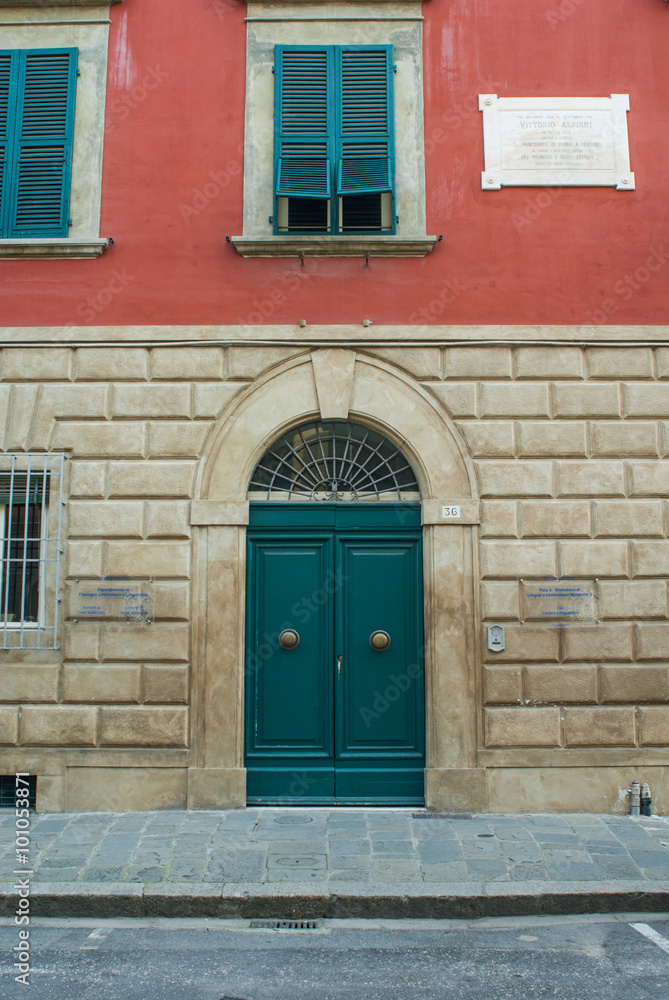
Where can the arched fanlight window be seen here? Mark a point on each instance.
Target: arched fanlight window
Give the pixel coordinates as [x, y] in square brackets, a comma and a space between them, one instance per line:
[333, 460]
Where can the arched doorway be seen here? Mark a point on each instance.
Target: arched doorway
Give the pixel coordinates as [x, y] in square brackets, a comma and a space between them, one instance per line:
[335, 706]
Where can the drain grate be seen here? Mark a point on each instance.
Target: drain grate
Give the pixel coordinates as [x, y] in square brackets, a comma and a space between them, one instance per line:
[285, 925]
[428, 815]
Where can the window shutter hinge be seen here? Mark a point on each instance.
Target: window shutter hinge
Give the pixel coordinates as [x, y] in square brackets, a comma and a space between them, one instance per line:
[272, 69]
[78, 72]
[69, 222]
[394, 67]
[271, 219]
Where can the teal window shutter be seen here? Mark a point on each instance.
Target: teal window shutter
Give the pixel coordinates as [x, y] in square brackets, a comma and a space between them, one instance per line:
[8, 91]
[39, 138]
[365, 134]
[304, 125]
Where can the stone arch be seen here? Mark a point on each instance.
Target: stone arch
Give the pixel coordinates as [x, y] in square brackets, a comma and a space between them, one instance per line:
[336, 383]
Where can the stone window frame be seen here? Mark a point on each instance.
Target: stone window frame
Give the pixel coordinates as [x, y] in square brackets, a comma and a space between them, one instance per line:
[84, 25]
[347, 22]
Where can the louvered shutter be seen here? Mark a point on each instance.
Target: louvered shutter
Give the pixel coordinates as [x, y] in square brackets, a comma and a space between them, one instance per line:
[304, 125]
[8, 67]
[365, 140]
[44, 132]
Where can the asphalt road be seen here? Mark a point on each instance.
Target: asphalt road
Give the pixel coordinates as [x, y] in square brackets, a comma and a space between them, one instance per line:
[521, 958]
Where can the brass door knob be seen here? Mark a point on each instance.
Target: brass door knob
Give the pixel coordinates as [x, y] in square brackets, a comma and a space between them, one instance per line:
[379, 641]
[289, 639]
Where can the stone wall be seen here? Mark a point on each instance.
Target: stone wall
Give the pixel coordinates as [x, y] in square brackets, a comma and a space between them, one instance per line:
[569, 445]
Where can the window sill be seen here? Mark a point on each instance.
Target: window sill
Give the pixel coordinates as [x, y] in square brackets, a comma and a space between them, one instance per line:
[56, 3]
[48, 249]
[333, 246]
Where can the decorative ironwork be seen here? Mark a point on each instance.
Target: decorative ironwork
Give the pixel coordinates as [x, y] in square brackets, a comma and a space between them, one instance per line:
[333, 460]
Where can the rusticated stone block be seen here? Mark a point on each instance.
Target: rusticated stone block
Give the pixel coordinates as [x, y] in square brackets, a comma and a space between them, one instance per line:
[36, 364]
[9, 726]
[169, 560]
[619, 362]
[500, 600]
[87, 479]
[619, 438]
[111, 363]
[151, 479]
[650, 558]
[171, 601]
[598, 642]
[144, 727]
[210, 399]
[82, 641]
[517, 559]
[515, 479]
[604, 727]
[459, 398]
[91, 440]
[489, 439]
[527, 644]
[166, 684]
[125, 789]
[653, 727]
[552, 518]
[422, 362]
[562, 685]
[579, 559]
[662, 362]
[515, 400]
[633, 600]
[187, 363]
[93, 682]
[522, 727]
[29, 682]
[84, 559]
[549, 362]
[478, 362]
[137, 400]
[653, 641]
[590, 479]
[586, 400]
[167, 519]
[57, 726]
[539, 438]
[502, 685]
[248, 362]
[649, 479]
[627, 518]
[498, 518]
[633, 684]
[73, 402]
[646, 400]
[107, 519]
[152, 642]
[169, 439]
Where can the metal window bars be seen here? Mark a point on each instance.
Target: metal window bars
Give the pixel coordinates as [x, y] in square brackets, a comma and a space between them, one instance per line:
[31, 505]
[333, 460]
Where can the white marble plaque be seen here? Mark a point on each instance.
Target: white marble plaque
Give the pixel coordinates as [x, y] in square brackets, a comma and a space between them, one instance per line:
[562, 141]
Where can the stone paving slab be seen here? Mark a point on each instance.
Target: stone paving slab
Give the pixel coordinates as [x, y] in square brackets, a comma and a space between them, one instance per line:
[336, 863]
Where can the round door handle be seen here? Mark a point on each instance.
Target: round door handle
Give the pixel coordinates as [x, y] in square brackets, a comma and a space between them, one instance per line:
[379, 641]
[289, 639]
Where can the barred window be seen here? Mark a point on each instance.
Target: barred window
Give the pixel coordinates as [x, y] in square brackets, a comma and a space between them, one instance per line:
[31, 501]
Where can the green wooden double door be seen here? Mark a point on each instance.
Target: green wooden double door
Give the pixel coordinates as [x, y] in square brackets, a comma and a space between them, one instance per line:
[334, 666]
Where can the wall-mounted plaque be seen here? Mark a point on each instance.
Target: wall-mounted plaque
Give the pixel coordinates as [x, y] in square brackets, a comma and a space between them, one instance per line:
[563, 141]
[560, 600]
[113, 600]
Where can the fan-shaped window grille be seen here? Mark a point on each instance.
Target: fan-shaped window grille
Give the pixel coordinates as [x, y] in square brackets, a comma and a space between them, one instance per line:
[334, 460]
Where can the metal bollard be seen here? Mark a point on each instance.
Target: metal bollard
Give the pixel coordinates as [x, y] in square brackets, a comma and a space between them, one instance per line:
[646, 800]
[635, 799]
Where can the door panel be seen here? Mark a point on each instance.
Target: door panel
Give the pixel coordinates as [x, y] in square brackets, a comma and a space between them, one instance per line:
[322, 729]
[289, 691]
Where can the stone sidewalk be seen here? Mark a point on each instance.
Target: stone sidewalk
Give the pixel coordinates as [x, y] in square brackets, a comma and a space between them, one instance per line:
[311, 862]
